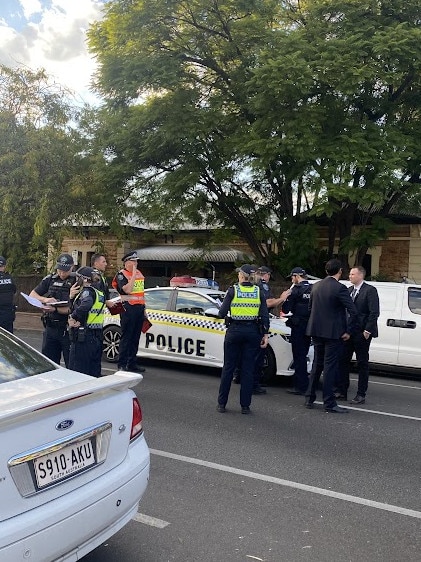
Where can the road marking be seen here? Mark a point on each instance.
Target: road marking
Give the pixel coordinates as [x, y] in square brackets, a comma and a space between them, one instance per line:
[392, 384]
[151, 521]
[367, 411]
[290, 484]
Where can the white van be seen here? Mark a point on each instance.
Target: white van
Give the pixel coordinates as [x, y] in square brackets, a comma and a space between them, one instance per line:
[398, 346]
[399, 343]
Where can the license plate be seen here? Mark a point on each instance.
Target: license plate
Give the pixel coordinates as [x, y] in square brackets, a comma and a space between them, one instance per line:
[64, 463]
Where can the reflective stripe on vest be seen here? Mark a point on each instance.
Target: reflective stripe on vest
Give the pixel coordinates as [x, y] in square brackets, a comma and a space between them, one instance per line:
[246, 303]
[95, 318]
[137, 296]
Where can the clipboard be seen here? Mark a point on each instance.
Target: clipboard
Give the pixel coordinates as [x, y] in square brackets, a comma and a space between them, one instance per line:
[39, 304]
[146, 326]
[118, 308]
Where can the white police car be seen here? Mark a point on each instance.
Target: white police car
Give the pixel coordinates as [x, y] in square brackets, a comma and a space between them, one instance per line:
[184, 329]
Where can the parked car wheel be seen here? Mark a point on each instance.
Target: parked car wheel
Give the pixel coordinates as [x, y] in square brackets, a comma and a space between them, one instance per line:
[269, 366]
[111, 343]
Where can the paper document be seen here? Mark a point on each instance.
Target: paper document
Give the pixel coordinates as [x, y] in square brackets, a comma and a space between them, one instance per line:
[38, 304]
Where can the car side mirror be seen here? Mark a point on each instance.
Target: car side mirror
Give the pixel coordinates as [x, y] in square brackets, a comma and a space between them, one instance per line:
[213, 311]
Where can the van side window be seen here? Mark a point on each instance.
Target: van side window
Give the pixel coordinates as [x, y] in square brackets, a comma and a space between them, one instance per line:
[414, 300]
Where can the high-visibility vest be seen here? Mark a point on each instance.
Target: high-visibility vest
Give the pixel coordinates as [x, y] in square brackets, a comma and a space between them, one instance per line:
[246, 302]
[137, 296]
[95, 318]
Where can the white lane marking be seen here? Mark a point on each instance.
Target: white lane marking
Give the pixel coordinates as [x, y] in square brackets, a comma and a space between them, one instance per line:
[392, 384]
[367, 411]
[151, 521]
[290, 484]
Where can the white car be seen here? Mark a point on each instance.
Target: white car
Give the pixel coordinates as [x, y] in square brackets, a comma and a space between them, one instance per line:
[184, 329]
[74, 462]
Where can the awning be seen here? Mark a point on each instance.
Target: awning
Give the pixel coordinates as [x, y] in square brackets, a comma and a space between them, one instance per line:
[186, 254]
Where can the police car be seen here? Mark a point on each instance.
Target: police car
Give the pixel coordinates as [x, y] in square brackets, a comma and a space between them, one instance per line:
[185, 329]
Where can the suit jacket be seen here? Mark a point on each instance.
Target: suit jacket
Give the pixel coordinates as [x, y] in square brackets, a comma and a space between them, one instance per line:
[368, 307]
[329, 304]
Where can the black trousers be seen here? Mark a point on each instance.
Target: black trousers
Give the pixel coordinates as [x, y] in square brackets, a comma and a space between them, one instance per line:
[300, 344]
[56, 342]
[326, 359]
[131, 328]
[85, 356]
[241, 346]
[7, 317]
[360, 346]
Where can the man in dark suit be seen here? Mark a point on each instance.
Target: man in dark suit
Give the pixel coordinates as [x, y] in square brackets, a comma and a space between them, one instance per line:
[366, 300]
[328, 326]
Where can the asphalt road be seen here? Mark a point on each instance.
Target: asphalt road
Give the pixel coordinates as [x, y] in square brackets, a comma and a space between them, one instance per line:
[284, 484]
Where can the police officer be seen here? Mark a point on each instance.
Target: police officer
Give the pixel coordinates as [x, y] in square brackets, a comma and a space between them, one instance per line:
[297, 303]
[7, 292]
[244, 308]
[85, 324]
[99, 265]
[263, 277]
[130, 283]
[56, 288]
[264, 273]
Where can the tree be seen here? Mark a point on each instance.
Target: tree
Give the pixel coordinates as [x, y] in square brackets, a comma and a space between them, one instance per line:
[41, 159]
[259, 116]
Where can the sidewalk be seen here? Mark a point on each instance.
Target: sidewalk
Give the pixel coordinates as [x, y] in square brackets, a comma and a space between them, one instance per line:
[28, 321]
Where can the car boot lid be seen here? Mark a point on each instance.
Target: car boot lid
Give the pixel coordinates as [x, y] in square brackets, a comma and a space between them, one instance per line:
[25, 395]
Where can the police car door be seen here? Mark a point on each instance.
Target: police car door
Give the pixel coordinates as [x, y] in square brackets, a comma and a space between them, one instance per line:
[154, 342]
[192, 336]
[410, 328]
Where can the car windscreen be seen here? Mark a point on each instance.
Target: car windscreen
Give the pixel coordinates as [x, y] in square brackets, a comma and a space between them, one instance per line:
[18, 360]
[218, 297]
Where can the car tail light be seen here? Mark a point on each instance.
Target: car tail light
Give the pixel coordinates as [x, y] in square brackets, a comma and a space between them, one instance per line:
[137, 428]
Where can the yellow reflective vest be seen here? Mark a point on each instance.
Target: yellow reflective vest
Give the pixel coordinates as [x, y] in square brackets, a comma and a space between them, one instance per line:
[246, 302]
[95, 318]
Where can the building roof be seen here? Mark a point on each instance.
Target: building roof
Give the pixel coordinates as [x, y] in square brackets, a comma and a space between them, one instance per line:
[185, 254]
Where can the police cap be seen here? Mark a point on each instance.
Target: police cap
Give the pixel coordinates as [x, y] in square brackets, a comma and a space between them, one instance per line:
[2, 261]
[65, 262]
[86, 272]
[246, 268]
[264, 269]
[297, 271]
[130, 256]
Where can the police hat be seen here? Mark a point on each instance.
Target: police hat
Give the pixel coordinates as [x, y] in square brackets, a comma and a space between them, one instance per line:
[130, 256]
[264, 269]
[86, 272]
[297, 271]
[2, 261]
[246, 268]
[65, 262]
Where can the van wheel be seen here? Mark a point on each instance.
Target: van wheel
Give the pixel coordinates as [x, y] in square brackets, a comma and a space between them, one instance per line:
[269, 366]
[111, 343]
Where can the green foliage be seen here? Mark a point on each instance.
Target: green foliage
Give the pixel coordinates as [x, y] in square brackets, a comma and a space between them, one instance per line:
[253, 114]
[40, 157]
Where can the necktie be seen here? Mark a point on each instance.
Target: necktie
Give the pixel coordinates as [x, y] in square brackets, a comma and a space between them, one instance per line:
[354, 293]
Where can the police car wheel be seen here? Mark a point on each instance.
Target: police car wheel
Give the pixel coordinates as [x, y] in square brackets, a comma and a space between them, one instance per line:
[269, 366]
[111, 343]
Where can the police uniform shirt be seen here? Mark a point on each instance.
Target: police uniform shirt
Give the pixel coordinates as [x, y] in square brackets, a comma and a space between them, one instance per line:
[83, 304]
[267, 292]
[52, 285]
[7, 290]
[102, 285]
[121, 281]
[297, 302]
[263, 310]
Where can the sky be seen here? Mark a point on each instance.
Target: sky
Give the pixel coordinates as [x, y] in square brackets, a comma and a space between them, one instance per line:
[51, 34]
